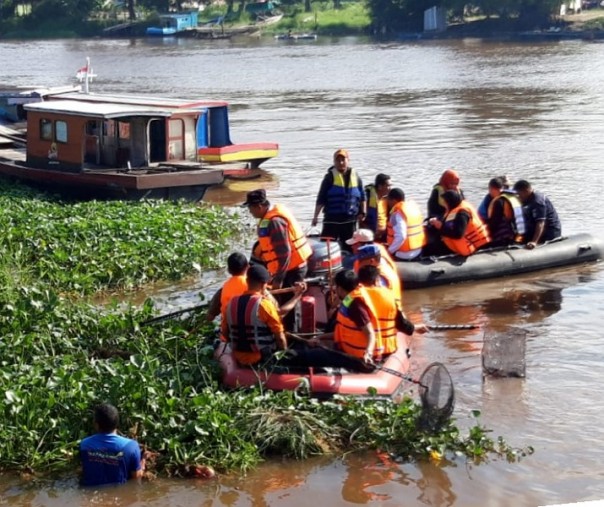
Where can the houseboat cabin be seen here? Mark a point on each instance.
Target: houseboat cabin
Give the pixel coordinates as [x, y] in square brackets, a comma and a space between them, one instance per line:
[212, 132]
[72, 135]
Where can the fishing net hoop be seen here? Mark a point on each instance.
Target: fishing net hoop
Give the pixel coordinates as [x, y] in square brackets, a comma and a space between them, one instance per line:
[437, 396]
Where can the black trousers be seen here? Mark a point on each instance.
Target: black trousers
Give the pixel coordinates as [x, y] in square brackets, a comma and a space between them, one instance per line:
[291, 277]
[339, 230]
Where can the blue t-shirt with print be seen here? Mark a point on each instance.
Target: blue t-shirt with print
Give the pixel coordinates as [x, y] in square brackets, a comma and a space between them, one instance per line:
[108, 458]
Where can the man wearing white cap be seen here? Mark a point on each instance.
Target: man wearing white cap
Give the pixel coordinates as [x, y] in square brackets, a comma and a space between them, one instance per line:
[364, 237]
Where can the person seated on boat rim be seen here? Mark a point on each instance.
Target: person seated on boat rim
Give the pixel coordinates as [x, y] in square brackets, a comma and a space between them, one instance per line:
[542, 220]
[364, 237]
[251, 321]
[372, 256]
[406, 235]
[377, 207]
[354, 337]
[106, 457]
[284, 246]
[462, 232]
[237, 266]
[505, 217]
[483, 208]
[449, 180]
[390, 318]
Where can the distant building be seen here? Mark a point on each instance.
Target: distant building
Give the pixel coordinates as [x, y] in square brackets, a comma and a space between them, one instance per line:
[435, 19]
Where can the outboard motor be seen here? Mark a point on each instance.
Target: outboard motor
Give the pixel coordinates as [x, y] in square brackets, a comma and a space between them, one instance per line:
[324, 257]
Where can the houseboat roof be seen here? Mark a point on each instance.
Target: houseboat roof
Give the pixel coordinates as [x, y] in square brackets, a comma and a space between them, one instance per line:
[100, 110]
[141, 100]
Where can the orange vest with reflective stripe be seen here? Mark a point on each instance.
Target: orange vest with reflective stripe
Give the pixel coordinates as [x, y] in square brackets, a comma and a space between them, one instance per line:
[476, 234]
[514, 218]
[247, 333]
[300, 248]
[386, 309]
[412, 215]
[347, 335]
[234, 286]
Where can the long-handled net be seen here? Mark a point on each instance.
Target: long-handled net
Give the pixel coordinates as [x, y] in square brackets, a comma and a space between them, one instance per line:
[436, 393]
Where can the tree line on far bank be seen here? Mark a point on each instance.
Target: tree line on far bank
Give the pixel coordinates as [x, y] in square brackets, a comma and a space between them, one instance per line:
[408, 15]
[88, 17]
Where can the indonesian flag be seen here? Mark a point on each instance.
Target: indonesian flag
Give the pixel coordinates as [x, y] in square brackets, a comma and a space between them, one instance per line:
[81, 73]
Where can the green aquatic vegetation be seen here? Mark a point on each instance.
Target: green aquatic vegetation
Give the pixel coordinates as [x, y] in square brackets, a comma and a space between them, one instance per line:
[60, 356]
[84, 247]
[164, 380]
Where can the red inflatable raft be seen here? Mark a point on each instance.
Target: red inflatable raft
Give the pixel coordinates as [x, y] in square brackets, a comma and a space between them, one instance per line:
[321, 382]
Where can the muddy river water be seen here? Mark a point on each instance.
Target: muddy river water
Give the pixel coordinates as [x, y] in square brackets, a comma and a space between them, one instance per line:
[533, 111]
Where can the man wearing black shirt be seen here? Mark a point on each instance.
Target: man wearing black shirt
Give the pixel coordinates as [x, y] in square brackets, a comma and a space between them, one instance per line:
[542, 220]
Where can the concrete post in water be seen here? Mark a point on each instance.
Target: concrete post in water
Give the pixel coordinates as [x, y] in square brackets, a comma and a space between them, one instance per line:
[504, 354]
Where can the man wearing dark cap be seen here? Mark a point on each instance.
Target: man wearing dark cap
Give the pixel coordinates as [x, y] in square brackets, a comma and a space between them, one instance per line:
[251, 322]
[370, 255]
[284, 248]
[542, 220]
[405, 233]
[342, 200]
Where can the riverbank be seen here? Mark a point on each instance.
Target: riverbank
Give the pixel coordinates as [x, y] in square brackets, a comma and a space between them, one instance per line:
[352, 19]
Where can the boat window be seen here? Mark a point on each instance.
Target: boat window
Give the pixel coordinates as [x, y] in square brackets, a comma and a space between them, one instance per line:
[46, 130]
[109, 128]
[61, 131]
[123, 130]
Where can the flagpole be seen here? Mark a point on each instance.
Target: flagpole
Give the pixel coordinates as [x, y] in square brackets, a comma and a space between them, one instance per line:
[86, 89]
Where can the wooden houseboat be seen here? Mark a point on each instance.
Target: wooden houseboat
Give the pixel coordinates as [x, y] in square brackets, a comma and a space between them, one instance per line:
[116, 150]
[213, 138]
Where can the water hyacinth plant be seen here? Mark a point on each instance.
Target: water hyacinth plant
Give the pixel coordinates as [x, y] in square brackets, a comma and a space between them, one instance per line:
[59, 356]
[90, 246]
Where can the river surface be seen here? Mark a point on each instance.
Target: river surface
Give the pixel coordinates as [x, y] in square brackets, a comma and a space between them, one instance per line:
[533, 111]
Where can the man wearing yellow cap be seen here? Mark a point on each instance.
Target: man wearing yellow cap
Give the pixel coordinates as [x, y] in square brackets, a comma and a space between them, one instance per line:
[341, 199]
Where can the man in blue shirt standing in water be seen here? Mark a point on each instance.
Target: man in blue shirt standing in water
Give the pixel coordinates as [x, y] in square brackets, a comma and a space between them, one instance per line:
[106, 457]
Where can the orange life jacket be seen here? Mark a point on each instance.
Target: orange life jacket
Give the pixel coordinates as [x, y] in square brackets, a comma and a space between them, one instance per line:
[347, 335]
[386, 310]
[385, 255]
[234, 286]
[412, 215]
[300, 248]
[514, 226]
[476, 234]
[247, 332]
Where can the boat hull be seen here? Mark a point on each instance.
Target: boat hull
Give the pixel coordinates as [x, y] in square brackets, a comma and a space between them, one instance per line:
[149, 183]
[321, 384]
[254, 153]
[498, 262]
